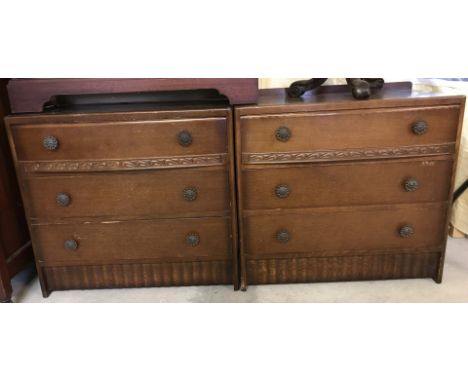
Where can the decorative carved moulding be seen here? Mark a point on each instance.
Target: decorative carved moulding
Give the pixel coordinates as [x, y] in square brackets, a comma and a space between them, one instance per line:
[349, 154]
[342, 268]
[124, 164]
[30, 95]
[139, 275]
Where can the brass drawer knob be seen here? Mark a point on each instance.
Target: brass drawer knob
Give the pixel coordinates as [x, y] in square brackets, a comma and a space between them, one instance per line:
[192, 239]
[406, 231]
[190, 194]
[63, 199]
[282, 236]
[283, 134]
[50, 143]
[282, 191]
[420, 127]
[71, 245]
[184, 138]
[411, 185]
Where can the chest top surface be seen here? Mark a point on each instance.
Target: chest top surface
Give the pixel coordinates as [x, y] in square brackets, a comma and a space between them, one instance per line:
[401, 94]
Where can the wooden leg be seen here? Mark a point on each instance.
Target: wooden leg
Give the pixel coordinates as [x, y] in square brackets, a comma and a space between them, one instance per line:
[243, 286]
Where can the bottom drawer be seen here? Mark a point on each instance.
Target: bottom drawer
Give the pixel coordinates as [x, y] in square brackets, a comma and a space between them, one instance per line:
[327, 231]
[106, 242]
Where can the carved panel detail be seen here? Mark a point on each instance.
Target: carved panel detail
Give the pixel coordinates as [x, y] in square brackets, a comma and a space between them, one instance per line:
[138, 275]
[349, 154]
[342, 268]
[124, 164]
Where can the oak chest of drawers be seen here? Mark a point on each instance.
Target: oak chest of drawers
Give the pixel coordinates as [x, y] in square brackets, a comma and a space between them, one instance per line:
[335, 189]
[129, 199]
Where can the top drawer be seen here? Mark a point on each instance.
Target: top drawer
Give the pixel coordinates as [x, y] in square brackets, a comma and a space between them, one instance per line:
[338, 134]
[123, 140]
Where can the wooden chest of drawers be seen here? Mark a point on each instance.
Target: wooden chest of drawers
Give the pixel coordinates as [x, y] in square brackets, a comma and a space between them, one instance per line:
[335, 189]
[325, 188]
[128, 199]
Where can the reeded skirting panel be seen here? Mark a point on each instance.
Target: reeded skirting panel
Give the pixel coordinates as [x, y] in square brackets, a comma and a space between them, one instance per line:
[343, 268]
[138, 275]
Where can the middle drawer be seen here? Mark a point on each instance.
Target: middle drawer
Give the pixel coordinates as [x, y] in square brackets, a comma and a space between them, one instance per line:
[362, 183]
[163, 193]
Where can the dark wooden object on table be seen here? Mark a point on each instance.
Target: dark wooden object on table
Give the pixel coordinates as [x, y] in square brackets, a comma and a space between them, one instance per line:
[332, 189]
[15, 245]
[30, 95]
[361, 88]
[130, 198]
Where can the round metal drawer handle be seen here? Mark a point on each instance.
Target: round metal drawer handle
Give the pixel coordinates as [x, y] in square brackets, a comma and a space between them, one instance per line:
[420, 127]
[71, 245]
[50, 143]
[190, 194]
[184, 138]
[192, 239]
[411, 185]
[406, 231]
[63, 199]
[282, 191]
[282, 236]
[283, 134]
